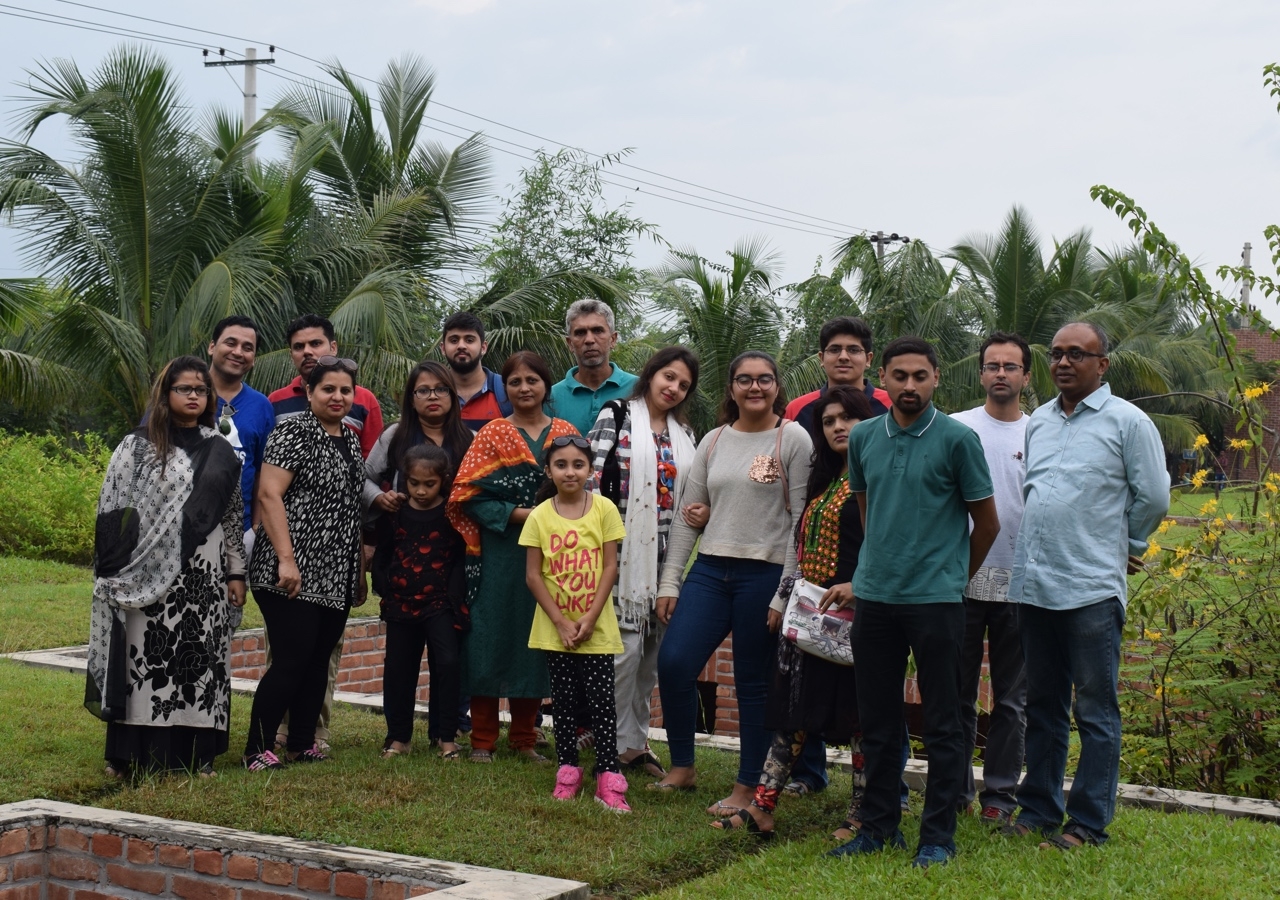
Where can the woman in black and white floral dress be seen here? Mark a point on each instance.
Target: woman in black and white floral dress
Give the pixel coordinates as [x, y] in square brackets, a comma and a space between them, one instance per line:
[306, 559]
[168, 583]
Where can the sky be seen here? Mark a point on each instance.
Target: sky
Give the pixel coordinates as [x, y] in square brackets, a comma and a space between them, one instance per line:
[930, 119]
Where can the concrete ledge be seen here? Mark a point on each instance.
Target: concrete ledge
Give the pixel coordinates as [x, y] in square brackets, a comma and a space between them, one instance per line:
[443, 879]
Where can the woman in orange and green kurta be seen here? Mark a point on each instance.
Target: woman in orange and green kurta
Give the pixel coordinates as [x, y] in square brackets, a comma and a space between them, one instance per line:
[492, 496]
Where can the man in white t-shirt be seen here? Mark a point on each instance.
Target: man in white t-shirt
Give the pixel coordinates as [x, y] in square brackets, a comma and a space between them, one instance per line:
[1005, 361]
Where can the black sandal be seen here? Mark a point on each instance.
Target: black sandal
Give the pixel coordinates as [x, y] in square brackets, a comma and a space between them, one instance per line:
[746, 822]
[641, 764]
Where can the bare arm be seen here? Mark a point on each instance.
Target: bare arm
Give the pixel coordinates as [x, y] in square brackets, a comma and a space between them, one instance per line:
[986, 525]
[273, 481]
[533, 580]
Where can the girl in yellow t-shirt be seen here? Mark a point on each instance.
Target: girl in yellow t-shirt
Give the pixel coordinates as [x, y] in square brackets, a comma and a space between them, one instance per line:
[570, 570]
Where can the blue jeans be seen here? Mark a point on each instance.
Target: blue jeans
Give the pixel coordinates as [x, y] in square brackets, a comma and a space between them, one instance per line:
[720, 596]
[1066, 648]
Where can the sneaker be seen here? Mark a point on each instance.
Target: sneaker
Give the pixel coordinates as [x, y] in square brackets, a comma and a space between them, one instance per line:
[865, 843]
[994, 817]
[586, 740]
[611, 790]
[260, 762]
[568, 782]
[312, 754]
[796, 789]
[931, 855]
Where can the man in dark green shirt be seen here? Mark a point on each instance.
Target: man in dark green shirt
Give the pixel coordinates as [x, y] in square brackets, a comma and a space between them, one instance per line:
[918, 476]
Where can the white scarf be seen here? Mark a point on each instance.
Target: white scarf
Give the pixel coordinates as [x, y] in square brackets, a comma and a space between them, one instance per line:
[638, 565]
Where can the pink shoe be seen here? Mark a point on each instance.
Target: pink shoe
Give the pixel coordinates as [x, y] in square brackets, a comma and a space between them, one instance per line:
[568, 782]
[611, 790]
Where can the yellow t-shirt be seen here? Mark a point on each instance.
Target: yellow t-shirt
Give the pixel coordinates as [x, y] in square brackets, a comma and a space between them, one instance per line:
[572, 560]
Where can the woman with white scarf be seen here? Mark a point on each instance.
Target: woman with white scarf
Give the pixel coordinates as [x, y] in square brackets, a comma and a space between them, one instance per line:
[646, 488]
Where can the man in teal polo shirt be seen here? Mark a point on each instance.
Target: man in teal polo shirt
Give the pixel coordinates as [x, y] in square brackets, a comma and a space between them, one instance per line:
[919, 476]
[594, 381]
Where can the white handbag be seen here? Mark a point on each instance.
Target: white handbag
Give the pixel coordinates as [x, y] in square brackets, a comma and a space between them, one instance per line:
[822, 634]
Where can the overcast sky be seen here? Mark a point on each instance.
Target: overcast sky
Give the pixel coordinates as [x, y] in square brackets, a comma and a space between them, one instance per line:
[929, 118]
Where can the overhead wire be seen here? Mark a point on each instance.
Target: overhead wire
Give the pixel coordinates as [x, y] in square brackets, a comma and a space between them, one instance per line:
[812, 221]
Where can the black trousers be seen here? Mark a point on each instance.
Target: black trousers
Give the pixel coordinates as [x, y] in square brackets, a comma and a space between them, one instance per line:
[584, 680]
[303, 635]
[883, 633]
[405, 643]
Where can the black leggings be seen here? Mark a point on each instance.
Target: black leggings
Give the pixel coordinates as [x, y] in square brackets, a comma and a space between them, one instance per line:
[405, 643]
[302, 635]
[584, 680]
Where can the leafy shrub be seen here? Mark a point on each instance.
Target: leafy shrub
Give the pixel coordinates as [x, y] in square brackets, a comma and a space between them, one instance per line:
[49, 495]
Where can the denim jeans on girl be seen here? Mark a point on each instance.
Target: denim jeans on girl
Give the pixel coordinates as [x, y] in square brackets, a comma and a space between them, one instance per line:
[720, 596]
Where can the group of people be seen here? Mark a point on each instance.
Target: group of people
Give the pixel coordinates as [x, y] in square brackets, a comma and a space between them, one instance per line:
[570, 539]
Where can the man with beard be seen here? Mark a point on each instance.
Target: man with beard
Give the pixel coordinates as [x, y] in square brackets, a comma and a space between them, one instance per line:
[244, 416]
[481, 392]
[1005, 370]
[918, 477]
[594, 381]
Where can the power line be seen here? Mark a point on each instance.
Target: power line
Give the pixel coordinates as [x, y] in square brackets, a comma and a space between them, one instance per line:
[814, 221]
[114, 33]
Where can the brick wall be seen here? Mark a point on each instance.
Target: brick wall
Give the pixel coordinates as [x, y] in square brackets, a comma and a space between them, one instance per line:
[1263, 349]
[79, 862]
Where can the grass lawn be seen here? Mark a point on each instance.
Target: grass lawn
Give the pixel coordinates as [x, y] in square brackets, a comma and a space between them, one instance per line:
[46, 604]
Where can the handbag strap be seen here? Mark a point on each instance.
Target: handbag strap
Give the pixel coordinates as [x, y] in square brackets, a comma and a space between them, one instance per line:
[777, 455]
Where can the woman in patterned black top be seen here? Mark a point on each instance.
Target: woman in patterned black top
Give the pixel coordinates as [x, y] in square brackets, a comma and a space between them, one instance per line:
[306, 560]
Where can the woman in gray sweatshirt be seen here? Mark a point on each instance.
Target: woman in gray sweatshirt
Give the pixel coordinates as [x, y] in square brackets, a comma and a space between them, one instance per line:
[751, 471]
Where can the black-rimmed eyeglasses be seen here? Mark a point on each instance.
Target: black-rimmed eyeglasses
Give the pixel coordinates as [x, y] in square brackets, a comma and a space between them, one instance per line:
[1006, 368]
[423, 393]
[1075, 354]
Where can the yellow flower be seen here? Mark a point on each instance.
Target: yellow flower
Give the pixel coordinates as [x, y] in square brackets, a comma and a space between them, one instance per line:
[1178, 571]
[1200, 441]
[1153, 550]
[1165, 526]
[1230, 517]
[1182, 552]
[1218, 523]
[1209, 507]
[1253, 393]
[1240, 444]
[1272, 486]
[1197, 480]
[1151, 635]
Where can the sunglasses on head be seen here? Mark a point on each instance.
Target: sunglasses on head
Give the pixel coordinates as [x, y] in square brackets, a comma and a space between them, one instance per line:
[341, 362]
[567, 440]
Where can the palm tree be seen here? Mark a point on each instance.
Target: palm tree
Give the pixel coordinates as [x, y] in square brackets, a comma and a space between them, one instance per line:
[720, 311]
[151, 237]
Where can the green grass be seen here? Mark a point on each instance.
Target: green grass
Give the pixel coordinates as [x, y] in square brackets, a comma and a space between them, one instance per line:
[46, 604]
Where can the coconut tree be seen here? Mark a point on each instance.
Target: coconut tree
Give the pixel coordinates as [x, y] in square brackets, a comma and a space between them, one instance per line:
[720, 311]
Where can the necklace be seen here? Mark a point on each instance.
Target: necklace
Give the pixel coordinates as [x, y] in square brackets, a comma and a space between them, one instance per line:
[556, 506]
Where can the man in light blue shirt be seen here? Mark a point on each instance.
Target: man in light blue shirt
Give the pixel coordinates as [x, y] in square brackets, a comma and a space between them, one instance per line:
[1096, 487]
[594, 381]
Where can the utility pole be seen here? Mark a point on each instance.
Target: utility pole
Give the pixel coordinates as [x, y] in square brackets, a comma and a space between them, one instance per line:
[1246, 259]
[250, 63]
[880, 239]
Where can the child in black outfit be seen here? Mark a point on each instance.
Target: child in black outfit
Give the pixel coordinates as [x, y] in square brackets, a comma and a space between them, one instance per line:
[418, 571]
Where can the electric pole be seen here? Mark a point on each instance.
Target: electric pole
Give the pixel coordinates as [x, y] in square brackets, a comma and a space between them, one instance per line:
[1246, 258]
[880, 239]
[250, 63]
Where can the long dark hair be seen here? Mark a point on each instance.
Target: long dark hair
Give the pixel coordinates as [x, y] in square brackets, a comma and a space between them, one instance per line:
[729, 409]
[659, 361]
[457, 436]
[827, 463]
[159, 424]
[434, 458]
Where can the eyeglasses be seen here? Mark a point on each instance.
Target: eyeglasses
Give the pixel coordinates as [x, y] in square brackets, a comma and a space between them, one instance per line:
[424, 392]
[341, 362]
[838, 350]
[765, 381]
[1006, 368]
[1075, 354]
[567, 440]
[186, 390]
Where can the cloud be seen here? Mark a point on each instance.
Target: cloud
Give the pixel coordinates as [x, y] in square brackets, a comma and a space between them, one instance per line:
[456, 7]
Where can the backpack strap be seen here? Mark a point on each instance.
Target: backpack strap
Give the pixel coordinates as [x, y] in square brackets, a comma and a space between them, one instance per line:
[777, 454]
[711, 446]
[499, 393]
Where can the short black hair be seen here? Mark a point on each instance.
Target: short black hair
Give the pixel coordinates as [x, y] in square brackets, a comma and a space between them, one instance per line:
[239, 322]
[1006, 337]
[310, 320]
[845, 325]
[463, 320]
[908, 344]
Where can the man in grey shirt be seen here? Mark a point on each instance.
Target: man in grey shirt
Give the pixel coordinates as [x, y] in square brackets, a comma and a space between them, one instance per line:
[1096, 488]
[1005, 369]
